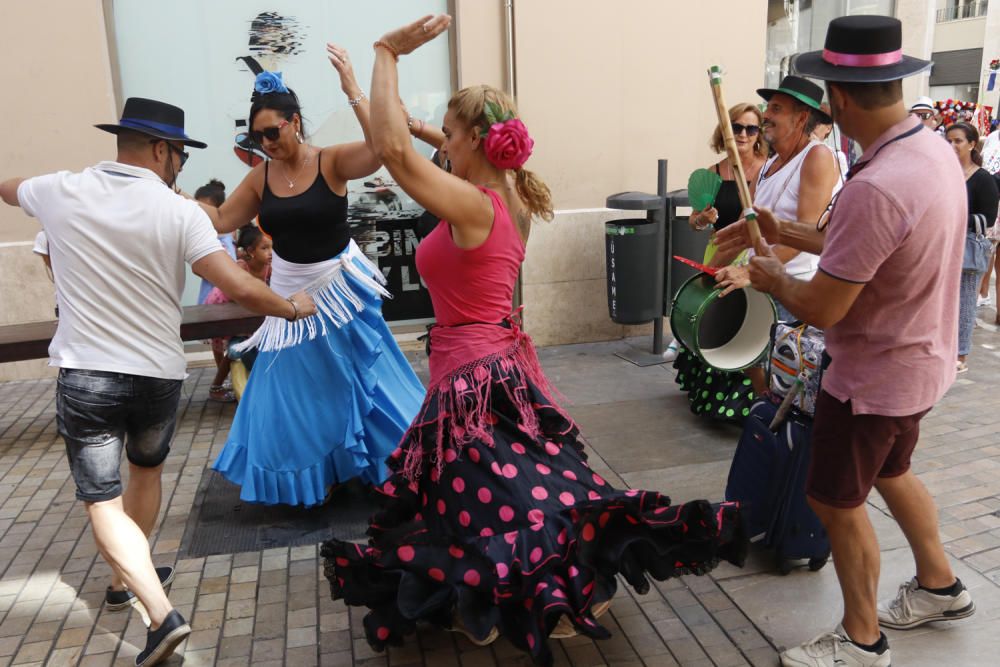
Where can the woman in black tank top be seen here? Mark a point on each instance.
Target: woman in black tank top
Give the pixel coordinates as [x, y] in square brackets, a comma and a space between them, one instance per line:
[308, 227]
[746, 120]
[299, 194]
[715, 394]
[331, 395]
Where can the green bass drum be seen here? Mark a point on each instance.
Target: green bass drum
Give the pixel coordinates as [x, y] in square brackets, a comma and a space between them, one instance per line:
[729, 333]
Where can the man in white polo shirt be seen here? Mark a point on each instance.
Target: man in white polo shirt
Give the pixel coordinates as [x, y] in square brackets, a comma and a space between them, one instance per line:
[119, 237]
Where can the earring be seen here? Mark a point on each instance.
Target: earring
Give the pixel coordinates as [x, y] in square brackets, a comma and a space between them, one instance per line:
[299, 137]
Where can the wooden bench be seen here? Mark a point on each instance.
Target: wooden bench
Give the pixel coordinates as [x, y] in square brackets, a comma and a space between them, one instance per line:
[19, 342]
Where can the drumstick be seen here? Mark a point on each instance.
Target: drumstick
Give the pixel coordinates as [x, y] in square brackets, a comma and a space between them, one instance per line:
[715, 77]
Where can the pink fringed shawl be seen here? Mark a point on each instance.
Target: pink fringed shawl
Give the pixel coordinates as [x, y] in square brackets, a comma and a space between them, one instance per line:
[462, 384]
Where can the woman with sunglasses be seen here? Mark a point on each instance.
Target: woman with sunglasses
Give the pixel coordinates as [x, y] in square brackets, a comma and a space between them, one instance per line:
[702, 383]
[331, 396]
[746, 120]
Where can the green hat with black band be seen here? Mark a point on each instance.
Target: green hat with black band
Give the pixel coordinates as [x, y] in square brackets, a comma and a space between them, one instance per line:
[803, 90]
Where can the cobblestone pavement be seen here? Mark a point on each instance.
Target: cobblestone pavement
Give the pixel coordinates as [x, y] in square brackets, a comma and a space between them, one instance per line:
[273, 608]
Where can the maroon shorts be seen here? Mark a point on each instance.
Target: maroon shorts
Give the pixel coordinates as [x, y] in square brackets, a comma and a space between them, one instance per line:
[850, 451]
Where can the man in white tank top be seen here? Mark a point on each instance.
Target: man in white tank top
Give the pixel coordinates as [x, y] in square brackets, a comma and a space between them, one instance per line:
[798, 182]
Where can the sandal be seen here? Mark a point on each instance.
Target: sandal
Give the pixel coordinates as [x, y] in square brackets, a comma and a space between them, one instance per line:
[220, 394]
[565, 629]
[459, 627]
[961, 367]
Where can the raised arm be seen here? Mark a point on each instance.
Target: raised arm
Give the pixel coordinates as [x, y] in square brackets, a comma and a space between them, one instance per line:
[430, 135]
[241, 206]
[8, 191]
[356, 159]
[452, 198]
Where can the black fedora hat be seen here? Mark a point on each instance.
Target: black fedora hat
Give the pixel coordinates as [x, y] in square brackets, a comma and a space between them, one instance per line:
[801, 89]
[157, 119]
[861, 49]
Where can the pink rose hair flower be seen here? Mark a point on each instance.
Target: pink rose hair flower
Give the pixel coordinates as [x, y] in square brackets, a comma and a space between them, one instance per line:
[508, 145]
[507, 142]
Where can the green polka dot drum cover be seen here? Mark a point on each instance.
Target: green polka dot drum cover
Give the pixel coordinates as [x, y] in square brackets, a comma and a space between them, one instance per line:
[714, 394]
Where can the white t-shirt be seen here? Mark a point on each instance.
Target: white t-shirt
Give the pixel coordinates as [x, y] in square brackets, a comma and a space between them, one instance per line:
[41, 244]
[41, 249]
[118, 239]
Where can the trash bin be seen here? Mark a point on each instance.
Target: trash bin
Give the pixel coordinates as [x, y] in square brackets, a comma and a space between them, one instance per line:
[634, 257]
[683, 242]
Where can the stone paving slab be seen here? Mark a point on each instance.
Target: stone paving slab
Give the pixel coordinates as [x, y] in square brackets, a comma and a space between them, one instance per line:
[272, 607]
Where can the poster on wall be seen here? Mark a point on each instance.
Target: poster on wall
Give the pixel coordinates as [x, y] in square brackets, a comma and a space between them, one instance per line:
[204, 57]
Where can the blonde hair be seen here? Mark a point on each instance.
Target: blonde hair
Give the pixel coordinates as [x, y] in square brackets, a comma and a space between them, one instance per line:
[759, 146]
[469, 106]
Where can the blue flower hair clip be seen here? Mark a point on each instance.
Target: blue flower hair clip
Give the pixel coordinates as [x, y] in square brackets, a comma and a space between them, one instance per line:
[269, 82]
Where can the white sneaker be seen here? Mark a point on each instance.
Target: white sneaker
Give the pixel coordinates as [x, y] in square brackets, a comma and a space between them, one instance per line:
[983, 301]
[670, 353]
[915, 606]
[833, 649]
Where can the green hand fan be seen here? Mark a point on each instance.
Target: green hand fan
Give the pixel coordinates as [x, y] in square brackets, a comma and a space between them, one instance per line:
[703, 186]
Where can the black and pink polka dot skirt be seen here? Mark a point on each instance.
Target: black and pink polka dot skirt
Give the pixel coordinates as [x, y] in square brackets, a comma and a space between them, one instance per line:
[510, 528]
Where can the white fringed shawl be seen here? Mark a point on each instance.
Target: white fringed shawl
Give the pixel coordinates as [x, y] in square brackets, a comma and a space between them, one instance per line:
[327, 283]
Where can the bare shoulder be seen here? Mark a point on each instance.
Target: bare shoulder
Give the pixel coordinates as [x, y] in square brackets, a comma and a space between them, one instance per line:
[255, 179]
[820, 161]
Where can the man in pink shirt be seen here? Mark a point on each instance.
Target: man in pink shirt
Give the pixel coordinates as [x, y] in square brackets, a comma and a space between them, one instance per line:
[887, 295]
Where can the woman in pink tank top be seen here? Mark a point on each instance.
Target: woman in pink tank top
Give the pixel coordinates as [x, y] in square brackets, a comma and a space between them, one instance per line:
[493, 521]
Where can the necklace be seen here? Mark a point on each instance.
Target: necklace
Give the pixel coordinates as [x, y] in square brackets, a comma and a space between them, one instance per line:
[291, 181]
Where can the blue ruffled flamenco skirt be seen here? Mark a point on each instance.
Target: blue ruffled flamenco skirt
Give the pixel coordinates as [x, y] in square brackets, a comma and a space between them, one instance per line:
[328, 408]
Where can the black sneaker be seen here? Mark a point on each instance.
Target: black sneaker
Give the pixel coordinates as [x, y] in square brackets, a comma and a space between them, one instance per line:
[160, 643]
[118, 600]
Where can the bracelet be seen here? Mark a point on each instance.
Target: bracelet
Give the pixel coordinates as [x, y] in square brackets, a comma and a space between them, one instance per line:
[295, 307]
[393, 52]
[357, 100]
[411, 121]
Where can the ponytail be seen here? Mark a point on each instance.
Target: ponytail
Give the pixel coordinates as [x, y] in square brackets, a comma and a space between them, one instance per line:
[248, 236]
[977, 157]
[470, 106]
[534, 193]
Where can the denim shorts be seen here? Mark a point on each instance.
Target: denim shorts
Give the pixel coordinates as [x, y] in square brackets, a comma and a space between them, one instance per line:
[98, 413]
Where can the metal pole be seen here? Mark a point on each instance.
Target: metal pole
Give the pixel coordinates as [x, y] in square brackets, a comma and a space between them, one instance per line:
[660, 216]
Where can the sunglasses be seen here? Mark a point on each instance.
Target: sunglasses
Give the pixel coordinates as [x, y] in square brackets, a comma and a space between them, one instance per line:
[173, 149]
[923, 115]
[271, 133]
[751, 130]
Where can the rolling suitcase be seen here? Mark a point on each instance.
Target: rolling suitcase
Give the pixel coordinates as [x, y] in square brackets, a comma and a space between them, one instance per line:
[767, 477]
[755, 476]
[795, 531]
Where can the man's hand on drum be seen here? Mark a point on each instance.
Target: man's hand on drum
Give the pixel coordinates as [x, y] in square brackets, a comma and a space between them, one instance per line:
[732, 278]
[766, 270]
[736, 237]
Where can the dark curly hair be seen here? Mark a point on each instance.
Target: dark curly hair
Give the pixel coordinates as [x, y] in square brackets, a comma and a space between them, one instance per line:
[248, 236]
[287, 104]
[214, 191]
